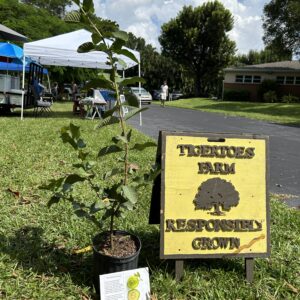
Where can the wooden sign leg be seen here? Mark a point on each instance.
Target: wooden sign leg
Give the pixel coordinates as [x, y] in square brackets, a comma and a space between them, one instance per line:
[249, 269]
[178, 269]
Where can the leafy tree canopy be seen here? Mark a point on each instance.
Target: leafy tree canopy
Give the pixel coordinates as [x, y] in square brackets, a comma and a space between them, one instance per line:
[258, 57]
[155, 67]
[55, 7]
[34, 20]
[197, 39]
[281, 23]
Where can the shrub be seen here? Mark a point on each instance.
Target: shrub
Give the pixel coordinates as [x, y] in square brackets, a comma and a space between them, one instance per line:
[270, 97]
[267, 86]
[290, 99]
[234, 95]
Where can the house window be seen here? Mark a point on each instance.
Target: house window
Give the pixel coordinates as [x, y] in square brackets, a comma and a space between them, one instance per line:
[297, 81]
[280, 79]
[239, 78]
[289, 80]
[248, 79]
[256, 79]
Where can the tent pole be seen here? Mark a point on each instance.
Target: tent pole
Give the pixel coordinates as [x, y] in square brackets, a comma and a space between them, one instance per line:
[140, 95]
[49, 85]
[23, 86]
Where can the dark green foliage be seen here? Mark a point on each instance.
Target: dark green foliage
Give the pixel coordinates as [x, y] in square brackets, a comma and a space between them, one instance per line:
[258, 57]
[55, 7]
[33, 22]
[290, 99]
[267, 86]
[197, 39]
[270, 97]
[155, 67]
[235, 95]
[281, 22]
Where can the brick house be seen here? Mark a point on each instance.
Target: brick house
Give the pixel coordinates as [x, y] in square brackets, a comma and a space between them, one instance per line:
[285, 73]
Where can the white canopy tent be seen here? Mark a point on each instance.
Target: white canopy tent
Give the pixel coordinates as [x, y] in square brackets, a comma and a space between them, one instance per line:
[61, 50]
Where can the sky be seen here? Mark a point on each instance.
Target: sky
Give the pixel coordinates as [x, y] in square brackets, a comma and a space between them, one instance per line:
[144, 18]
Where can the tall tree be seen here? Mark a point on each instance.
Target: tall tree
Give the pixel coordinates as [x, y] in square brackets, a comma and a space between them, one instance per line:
[155, 67]
[281, 23]
[197, 39]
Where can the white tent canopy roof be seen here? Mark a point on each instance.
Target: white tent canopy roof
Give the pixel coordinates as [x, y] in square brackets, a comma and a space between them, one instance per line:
[61, 50]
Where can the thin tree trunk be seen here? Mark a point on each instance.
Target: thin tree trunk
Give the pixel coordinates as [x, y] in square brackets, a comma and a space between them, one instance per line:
[197, 85]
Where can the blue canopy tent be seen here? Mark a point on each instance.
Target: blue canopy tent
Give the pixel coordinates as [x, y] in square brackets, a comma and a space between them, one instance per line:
[17, 67]
[12, 59]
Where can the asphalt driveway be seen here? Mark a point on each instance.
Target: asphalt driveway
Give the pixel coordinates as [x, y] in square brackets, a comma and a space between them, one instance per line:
[284, 153]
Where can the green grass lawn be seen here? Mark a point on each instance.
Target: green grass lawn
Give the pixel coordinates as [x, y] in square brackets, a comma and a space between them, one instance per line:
[274, 112]
[37, 243]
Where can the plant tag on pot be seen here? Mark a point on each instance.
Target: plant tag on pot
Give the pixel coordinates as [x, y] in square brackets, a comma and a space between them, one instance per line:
[127, 285]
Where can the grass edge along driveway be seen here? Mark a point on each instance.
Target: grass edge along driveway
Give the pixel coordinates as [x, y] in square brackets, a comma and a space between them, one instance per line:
[283, 113]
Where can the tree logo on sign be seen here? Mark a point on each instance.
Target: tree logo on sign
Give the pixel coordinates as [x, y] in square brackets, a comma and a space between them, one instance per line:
[218, 194]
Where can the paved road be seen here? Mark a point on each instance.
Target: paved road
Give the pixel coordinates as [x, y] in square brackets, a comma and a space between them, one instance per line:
[284, 140]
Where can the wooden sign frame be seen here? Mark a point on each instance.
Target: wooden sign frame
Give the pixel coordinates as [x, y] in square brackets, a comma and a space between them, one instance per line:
[215, 138]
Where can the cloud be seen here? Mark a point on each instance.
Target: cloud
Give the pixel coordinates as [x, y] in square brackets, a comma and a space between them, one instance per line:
[145, 17]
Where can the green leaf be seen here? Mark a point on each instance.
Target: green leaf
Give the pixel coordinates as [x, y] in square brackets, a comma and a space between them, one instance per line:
[108, 121]
[129, 193]
[119, 34]
[86, 47]
[101, 47]
[81, 144]
[109, 150]
[97, 206]
[141, 147]
[96, 38]
[117, 45]
[73, 17]
[132, 100]
[122, 63]
[73, 178]
[88, 6]
[128, 205]
[119, 138]
[110, 112]
[129, 135]
[99, 83]
[133, 112]
[132, 80]
[111, 173]
[128, 54]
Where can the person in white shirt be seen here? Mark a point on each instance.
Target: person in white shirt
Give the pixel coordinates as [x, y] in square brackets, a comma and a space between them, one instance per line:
[163, 93]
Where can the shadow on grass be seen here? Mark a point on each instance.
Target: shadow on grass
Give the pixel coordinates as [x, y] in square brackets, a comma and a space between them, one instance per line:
[32, 252]
[50, 115]
[149, 256]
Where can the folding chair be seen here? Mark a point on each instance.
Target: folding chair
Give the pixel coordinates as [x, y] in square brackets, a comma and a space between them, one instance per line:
[41, 106]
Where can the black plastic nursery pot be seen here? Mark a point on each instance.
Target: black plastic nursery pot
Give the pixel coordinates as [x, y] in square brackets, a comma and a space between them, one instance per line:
[104, 264]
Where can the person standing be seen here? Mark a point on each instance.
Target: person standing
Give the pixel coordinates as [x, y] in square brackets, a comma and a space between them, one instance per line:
[54, 91]
[74, 97]
[76, 100]
[163, 93]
